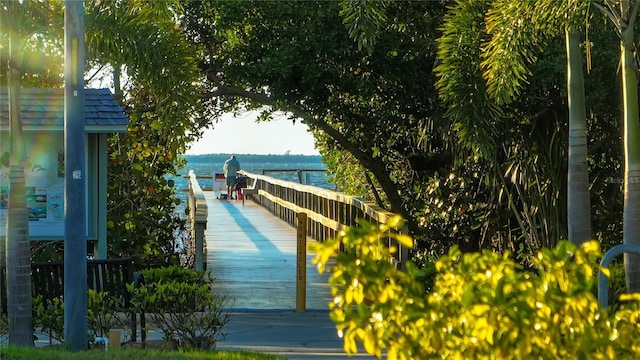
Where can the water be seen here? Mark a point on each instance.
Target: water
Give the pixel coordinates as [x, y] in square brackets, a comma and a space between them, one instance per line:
[207, 165]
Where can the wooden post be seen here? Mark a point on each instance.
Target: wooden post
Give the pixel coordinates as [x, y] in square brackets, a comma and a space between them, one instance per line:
[115, 339]
[200, 262]
[301, 263]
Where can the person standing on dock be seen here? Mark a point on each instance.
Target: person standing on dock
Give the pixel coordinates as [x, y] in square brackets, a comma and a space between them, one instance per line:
[231, 168]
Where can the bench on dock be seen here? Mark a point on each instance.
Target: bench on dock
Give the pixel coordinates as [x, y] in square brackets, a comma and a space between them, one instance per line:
[249, 191]
[105, 275]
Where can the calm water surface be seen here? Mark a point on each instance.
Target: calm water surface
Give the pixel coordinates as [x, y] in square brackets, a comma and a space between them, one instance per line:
[207, 165]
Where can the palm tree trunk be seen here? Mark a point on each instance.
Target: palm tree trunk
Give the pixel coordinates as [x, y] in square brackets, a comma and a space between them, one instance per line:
[631, 142]
[578, 198]
[18, 247]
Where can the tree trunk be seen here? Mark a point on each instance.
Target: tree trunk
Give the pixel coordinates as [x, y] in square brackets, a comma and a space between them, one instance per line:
[578, 198]
[18, 249]
[631, 141]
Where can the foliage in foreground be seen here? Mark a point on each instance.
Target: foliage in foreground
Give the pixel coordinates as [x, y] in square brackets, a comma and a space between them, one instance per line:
[14, 353]
[179, 302]
[482, 305]
[183, 305]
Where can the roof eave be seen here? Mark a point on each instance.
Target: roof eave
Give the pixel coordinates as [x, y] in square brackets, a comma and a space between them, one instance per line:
[89, 129]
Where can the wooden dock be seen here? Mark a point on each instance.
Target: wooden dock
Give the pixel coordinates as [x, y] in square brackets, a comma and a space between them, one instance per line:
[252, 256]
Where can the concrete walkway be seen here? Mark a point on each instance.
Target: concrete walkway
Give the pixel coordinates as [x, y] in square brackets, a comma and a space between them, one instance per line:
[294, 335]
[297, 336]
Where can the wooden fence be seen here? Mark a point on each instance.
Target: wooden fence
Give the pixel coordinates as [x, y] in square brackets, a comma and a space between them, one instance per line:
[110, 276]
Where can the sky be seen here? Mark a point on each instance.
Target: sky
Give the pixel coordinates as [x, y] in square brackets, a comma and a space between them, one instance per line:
[242, 135]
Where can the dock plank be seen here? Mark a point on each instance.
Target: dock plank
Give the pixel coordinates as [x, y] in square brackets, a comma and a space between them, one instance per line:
[252, 256]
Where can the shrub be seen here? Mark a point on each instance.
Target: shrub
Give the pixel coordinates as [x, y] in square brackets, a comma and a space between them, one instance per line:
[482, 305]
[48, 315]
[4, 326]
[617, 284]
[175, 274]
[106, 312]
[182, 304]
[23, 353]
[102, 315]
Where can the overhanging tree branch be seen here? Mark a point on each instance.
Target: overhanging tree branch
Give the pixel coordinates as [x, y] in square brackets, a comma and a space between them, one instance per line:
[367, 160]
[238, 92]
[374, 190]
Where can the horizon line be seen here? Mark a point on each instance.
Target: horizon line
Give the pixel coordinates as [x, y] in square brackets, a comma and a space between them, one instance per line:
[251, 154]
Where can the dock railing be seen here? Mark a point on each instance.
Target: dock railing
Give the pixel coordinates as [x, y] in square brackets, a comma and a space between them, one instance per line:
[327, 211]
[303, 174]
[198, 213]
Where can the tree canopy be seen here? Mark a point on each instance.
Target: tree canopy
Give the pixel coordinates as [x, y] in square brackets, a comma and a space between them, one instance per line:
[460, 167]
[154, 72]
[160, 94]
[393, 121]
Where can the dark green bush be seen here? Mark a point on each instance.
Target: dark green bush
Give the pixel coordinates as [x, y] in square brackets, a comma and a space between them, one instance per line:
[172, 274]
[182, 304]
[617, 284]
[4, 325]
[102, 315]
[48, 316]
[179, 302]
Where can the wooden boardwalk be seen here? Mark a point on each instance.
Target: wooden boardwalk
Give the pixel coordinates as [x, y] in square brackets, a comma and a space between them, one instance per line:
[252, 256]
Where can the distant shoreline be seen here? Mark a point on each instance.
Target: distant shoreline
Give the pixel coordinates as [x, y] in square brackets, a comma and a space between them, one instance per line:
[255, 159]
[205, 165]
[237, 154]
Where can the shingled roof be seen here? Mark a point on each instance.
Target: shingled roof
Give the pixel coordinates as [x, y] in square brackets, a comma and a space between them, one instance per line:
[43, 109]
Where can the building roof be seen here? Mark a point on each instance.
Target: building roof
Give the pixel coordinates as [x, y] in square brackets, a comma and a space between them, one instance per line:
[43, 109]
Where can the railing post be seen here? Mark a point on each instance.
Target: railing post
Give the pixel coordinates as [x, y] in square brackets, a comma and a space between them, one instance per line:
[403, 251]
[301, 267]
[603, 281]
[199, 243]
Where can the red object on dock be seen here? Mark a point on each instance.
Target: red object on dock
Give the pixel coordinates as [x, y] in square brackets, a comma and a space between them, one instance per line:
[239, 194]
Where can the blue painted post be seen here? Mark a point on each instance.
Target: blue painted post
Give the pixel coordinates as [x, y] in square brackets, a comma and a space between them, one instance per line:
[75, 241]
[603, 282]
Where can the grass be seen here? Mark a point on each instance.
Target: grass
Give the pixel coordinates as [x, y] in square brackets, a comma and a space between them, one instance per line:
[18, 353]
